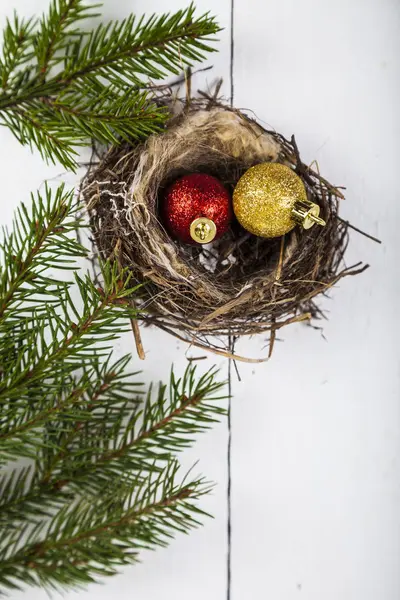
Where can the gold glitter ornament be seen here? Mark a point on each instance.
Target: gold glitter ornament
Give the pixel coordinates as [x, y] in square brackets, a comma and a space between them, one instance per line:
[269, 200]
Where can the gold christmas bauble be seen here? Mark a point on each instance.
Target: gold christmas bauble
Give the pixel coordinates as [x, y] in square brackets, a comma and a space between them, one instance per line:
[270, 199]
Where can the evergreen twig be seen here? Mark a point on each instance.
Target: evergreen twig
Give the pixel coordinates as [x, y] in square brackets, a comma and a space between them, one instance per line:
[62, 86]
[102, 479]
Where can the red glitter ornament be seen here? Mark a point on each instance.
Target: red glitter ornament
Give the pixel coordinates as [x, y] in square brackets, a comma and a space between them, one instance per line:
[197, 208]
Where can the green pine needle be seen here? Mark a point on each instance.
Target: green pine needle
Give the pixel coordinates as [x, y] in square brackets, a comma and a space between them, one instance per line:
[62, 86]
[88, 461]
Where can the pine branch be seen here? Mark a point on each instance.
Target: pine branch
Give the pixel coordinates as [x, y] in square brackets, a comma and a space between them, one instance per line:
[167, 428]
[17, 502]
[19, 431]
[34, 246]
[149, 48]
[101, 483]
[31, 129]
[90, 540]
[100, 453]
[163, 422]
[92, 399]
[63, 86]
[74, 343]
[17, 48]
[56, 29]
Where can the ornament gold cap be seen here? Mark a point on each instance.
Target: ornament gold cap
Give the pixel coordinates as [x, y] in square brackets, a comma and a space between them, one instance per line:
[306, 213]
[203, 230]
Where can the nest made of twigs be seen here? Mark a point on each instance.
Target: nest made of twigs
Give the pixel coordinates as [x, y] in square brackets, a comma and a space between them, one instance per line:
[240, 284]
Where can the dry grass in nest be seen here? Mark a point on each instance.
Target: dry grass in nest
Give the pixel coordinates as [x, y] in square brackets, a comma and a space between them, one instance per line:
[239, 285]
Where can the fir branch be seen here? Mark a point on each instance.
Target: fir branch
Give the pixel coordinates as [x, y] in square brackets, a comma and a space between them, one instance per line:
[34, 245]
[17, 48]
[101, 483]
[90, 540]
[18, 431]
[166, 427]
[17, 501]
[31, 129]
[163, 422]
[63, 86]
[104, 445]
[149, 48]
[91, 110]
[111, 389]
[74, 343]
[56, 29]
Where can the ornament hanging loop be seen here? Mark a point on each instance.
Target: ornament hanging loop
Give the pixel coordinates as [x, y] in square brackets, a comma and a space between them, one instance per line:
[306, 213]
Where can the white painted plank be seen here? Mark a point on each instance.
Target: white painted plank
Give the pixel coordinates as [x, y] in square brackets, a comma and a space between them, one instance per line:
[193, 565]
[316, 431]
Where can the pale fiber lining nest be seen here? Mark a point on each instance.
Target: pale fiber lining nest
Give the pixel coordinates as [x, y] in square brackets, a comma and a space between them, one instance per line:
[239, 285]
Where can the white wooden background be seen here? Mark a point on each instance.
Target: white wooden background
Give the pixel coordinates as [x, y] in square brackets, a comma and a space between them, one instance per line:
[316, 431]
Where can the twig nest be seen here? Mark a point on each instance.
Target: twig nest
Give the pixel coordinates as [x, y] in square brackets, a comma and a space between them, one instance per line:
[240, 284]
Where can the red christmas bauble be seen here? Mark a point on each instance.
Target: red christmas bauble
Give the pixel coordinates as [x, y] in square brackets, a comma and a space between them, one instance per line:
[197, 208]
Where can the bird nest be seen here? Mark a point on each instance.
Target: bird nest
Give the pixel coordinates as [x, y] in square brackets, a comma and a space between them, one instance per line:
[240, 284]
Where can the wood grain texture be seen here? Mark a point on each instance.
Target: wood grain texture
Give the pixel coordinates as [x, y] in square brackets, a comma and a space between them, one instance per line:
[315, 486]
[316, 476]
